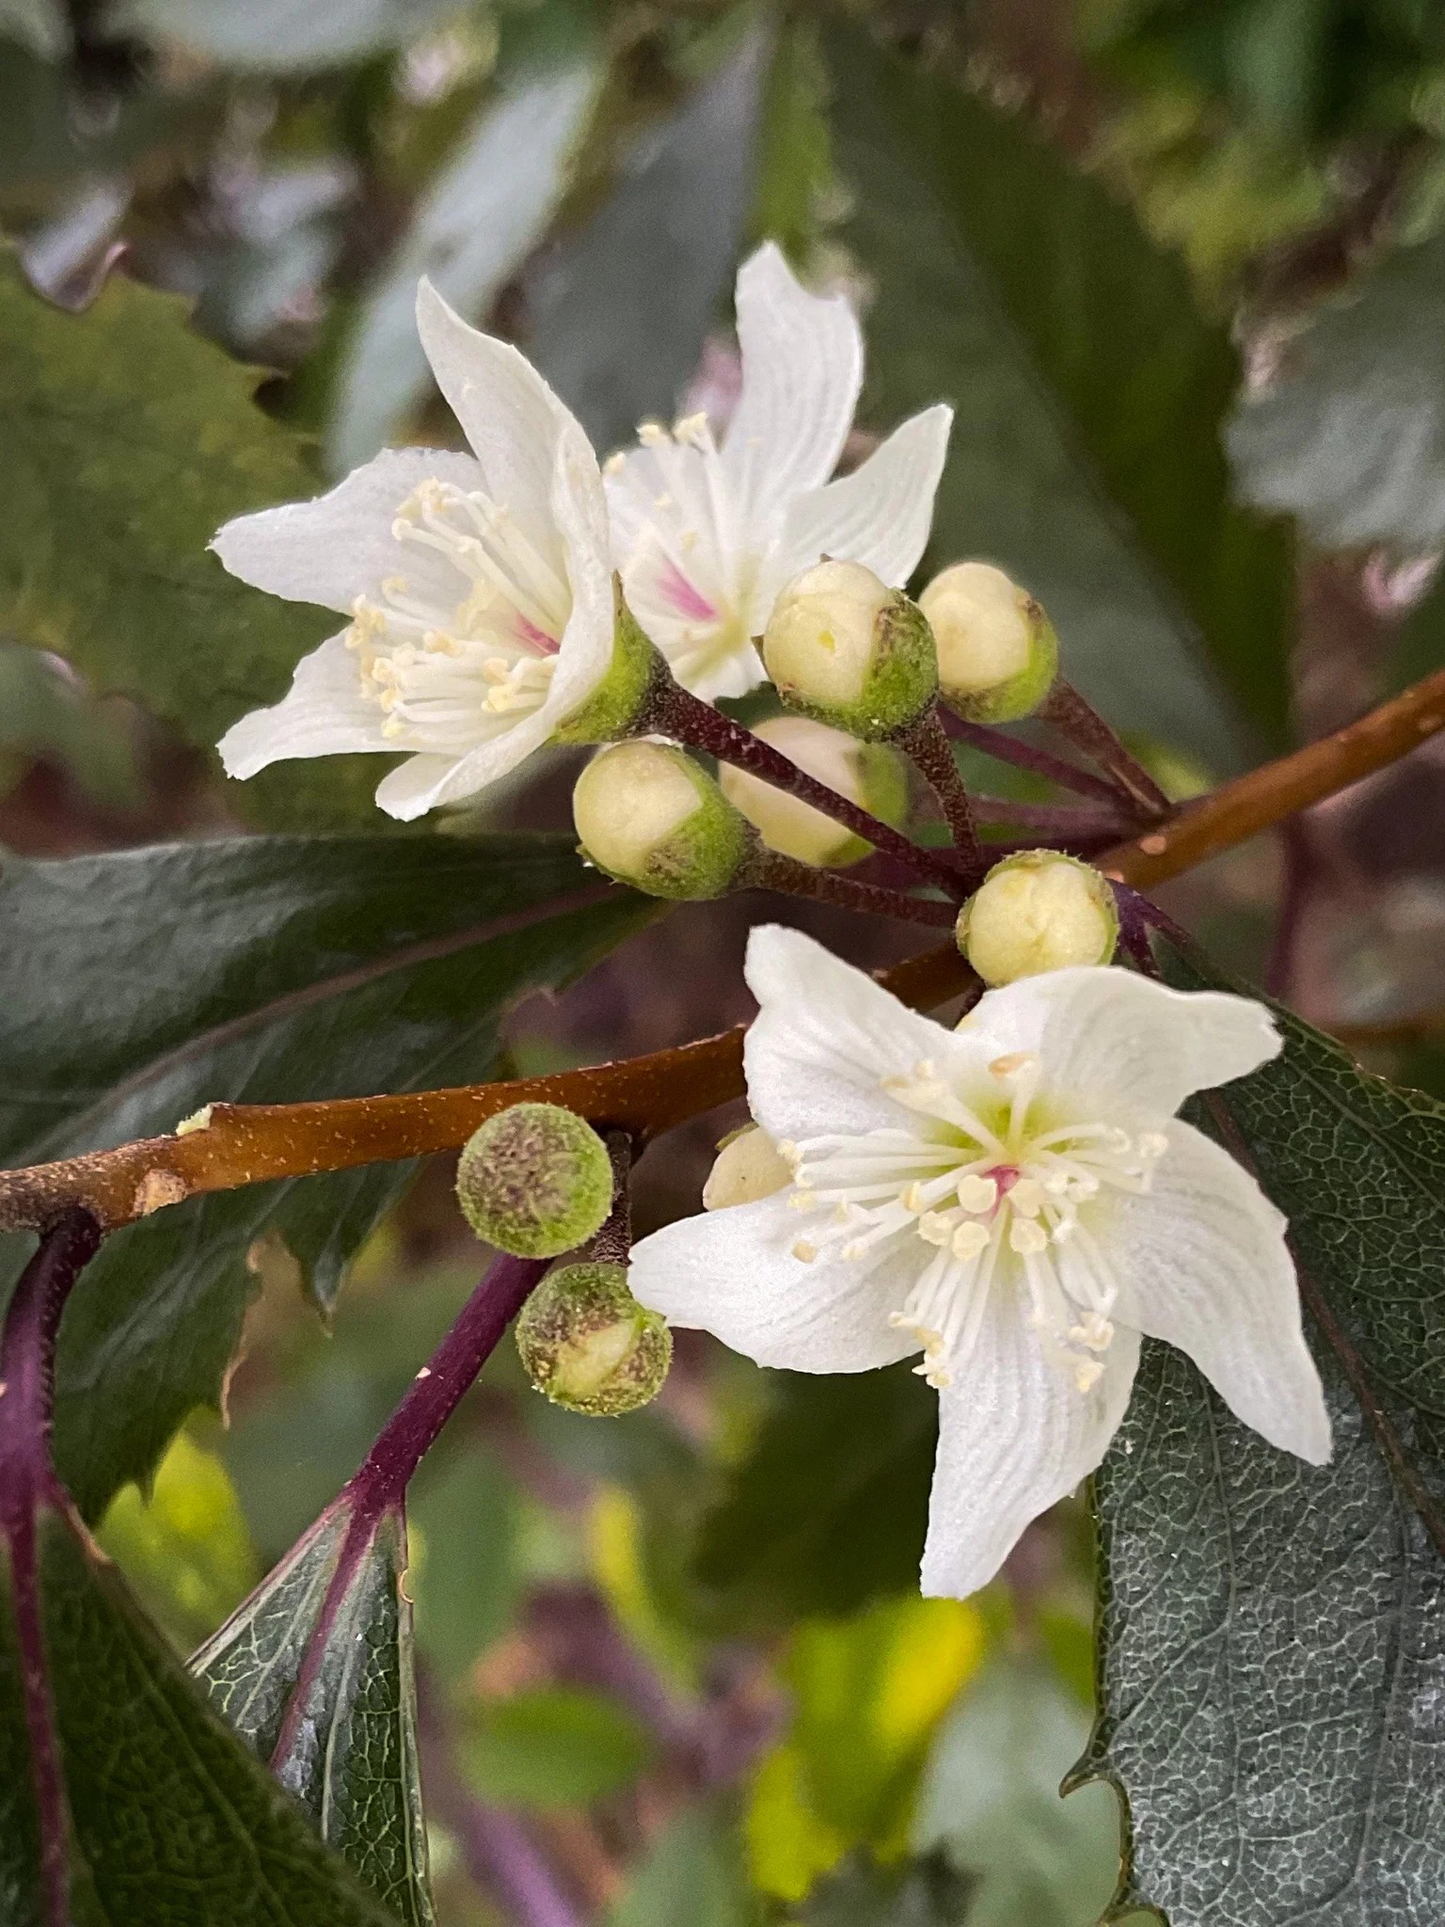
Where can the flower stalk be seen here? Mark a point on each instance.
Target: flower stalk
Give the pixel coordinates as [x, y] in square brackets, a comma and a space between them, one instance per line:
[1079, 723]
[925, 743]
[769, 870]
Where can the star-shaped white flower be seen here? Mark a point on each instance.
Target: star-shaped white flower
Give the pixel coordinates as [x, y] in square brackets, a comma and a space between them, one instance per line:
[1018, 1200]
[705, 536]
[478, 588]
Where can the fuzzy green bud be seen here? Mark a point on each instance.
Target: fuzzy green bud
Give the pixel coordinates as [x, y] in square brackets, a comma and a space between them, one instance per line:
[611, 708]
[648, 815]
[844, 648]
[869, 774]
[997, 650]
[535, 1180]
[1037, 911]
[748, 1166]
[589, 1346]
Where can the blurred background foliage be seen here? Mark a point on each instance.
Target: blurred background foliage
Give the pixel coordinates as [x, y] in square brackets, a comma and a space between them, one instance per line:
[1181, 265]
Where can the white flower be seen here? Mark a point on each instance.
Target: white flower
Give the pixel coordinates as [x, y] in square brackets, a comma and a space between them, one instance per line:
[1016, 1199]
[706, 536]
[477, 588]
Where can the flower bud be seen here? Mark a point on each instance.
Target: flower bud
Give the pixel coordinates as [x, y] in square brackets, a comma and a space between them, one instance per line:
[748, 1167]
[1037, 911]
[997, 650]
[650, 816]
[844, 648]
[869, 774]
[589, 1346]
[535, 1180]
[612, 705]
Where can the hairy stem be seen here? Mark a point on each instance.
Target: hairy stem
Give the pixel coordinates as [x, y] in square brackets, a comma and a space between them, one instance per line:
[771, 871]
[27, 1481]
[247, 1143]
[1004, 748]
[672, 711]
[1079, 723]
[927, 746]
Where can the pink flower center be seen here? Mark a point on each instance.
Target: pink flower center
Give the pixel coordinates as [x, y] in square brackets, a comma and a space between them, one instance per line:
[684, 596]
[536, 638]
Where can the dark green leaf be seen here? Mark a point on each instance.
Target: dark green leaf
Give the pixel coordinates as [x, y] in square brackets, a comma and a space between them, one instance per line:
[352, 1753]
[128, 441]
[172, 1822]
[1273, 1634]
[1351, 435]
[990, 1801]
[611, 348]
[1085, 455]
[829, 1507]
[268, 970]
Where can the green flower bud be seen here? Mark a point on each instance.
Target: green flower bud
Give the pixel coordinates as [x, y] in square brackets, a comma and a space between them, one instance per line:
[616, 702]
[748, 1167]
[997, 650]
[869, 774]
[535, 1180]
[844, 648]
[1037, 911]
[589, 1346]
[648, 815]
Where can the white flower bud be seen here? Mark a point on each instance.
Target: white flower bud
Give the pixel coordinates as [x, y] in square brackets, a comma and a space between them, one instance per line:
[535, 1180]
[1037, 911]
[844, 648]
[997, 650]
[589, 1346]
[650, 816]
[869, 774]
[748, 1167]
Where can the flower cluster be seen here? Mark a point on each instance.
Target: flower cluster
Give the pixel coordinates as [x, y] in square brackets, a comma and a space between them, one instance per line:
[1015, 1202]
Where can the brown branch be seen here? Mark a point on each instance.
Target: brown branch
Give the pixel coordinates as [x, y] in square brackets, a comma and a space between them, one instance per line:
[248, 1143]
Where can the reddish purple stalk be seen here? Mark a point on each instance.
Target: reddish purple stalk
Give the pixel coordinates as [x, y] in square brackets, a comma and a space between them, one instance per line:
[379, 1484]
[27, 1480]
[1039, 762]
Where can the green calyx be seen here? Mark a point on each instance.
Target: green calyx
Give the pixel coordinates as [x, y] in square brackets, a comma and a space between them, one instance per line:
[651, 817]
[589, 1346]
[619, 699]
[535, 1181]
[843, 648]
[998, 652]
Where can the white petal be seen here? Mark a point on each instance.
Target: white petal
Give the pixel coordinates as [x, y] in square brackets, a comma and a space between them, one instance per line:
[1202, 1262]
[1118, 1039]
[880, 515]
[509, 415]
[578, 510]
[424, 782]
[825, 1037]
[1015, 1436]
[732, 1273]
[340, 546]
[322, 714]
[802, 368]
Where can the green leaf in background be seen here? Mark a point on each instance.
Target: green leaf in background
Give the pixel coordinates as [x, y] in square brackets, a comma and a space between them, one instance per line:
[43, 715]
[351, 1751]
[171, 1819]
[40, 25]
[1272, 1662]
[990, 1803]
[128, 441]
[277, 36]
[828, 1508]
[692, 1873]
[1085, 455]
[553, 1746]
[293, 969]
[926, 1892]
[479, 219]
[1350, 434]
[621, 311]
[466, 1578]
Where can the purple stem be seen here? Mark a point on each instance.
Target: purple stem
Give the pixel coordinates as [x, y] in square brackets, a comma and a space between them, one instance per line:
[27, 1386]
[1294, 897]
[379, 1485]
[673, 711]
[772, 871]
[1079, 723]
[1053, 819]
[502, 1857]
[1012, 749]
[932, 755]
